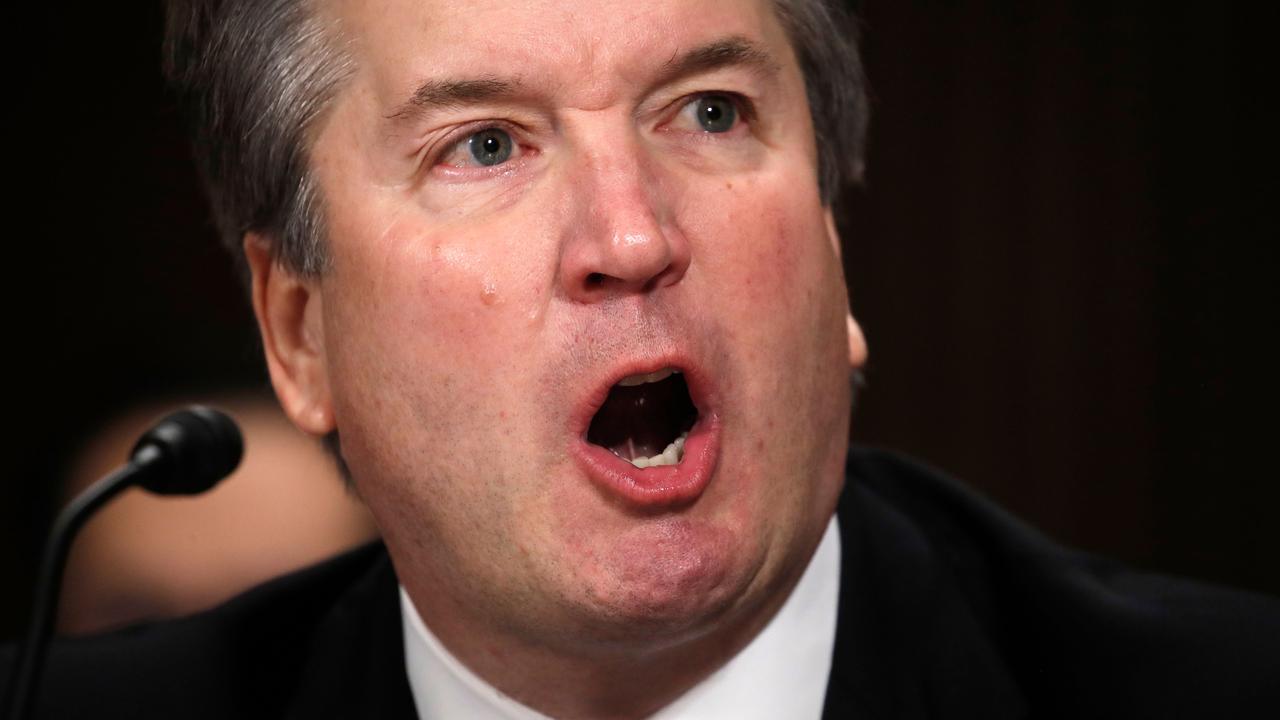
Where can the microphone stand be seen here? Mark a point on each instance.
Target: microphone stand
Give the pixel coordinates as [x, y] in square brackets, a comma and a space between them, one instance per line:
[26, 673]
[186, 453]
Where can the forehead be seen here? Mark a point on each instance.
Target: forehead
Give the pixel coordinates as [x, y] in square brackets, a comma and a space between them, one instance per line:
[586, 49]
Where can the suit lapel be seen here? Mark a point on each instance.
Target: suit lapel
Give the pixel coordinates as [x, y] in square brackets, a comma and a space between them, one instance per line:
[907, 645]
[357, 667]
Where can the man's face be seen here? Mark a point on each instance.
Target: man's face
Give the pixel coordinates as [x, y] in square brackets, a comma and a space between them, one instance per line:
[527, 203]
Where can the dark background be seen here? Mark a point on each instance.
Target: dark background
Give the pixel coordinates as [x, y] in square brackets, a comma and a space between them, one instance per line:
[1063, 260]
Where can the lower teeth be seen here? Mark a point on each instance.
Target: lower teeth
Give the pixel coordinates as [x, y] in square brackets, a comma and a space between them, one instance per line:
[670, 456]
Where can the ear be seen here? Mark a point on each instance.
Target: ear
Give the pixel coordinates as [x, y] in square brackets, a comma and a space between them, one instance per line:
[857, 342]
[290, 316]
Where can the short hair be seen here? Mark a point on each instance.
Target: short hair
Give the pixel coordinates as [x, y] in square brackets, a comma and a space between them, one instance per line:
[252, 78]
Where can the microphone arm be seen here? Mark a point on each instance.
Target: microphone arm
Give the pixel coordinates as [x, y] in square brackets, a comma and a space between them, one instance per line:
[186, 453]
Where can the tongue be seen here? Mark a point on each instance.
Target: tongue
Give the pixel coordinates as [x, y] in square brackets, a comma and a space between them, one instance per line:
[642, 420]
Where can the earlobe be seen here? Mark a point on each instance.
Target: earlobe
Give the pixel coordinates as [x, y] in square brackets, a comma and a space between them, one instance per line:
[857, 343]
[290, 315]
[833, 235]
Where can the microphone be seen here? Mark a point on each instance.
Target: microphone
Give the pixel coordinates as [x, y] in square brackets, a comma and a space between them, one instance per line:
[186, 453]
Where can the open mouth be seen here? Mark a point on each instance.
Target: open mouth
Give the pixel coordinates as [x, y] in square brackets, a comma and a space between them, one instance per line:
[646, 419]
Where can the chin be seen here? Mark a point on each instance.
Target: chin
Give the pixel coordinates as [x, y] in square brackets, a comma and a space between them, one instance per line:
[664, 580]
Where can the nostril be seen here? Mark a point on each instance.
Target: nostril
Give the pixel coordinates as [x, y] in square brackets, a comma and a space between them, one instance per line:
[595, 279]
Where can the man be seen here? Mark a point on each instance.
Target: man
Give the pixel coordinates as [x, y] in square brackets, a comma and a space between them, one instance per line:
[559, 282]
[525, 231]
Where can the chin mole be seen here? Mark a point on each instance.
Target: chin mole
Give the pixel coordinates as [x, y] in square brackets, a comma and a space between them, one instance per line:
[489, 293]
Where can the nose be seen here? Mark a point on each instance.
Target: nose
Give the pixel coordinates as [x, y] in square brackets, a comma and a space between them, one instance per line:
[620, 236]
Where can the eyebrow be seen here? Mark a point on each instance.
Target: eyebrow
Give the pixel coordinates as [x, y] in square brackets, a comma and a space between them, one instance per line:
[734, 51]
[444, 94]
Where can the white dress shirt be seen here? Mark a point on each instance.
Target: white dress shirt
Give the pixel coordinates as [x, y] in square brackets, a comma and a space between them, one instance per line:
[781, 673]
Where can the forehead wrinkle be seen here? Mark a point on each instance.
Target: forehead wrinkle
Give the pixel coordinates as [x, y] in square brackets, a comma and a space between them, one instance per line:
[600, 57]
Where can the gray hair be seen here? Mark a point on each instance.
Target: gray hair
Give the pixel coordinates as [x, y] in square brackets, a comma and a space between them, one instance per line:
[825, 40]
[254, 76]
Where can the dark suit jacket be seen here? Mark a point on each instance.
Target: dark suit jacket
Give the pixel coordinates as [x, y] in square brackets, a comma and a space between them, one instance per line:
[949, 608]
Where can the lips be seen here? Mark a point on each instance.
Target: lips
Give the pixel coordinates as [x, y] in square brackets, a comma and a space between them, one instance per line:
[648, 434]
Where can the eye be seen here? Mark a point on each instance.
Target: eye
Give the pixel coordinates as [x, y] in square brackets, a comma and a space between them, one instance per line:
[488, 147]
[713, 113]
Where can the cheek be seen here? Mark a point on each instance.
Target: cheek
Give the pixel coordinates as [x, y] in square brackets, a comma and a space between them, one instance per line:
[423, 327]
[762, 245]
[425, 332]
[432, 297]
[779, 291]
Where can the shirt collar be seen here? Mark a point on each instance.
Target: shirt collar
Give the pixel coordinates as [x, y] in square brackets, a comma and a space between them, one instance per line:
[782, 672]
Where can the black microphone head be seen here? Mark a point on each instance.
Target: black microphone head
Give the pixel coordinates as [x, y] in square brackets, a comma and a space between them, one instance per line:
[190, 451]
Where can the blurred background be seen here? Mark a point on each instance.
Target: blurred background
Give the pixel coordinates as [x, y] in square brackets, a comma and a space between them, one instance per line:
[1063, 258]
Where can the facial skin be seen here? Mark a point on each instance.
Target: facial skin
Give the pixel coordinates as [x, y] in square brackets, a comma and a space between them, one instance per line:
[471, 311]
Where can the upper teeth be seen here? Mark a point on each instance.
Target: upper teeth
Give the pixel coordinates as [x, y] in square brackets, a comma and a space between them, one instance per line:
[655, 376]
